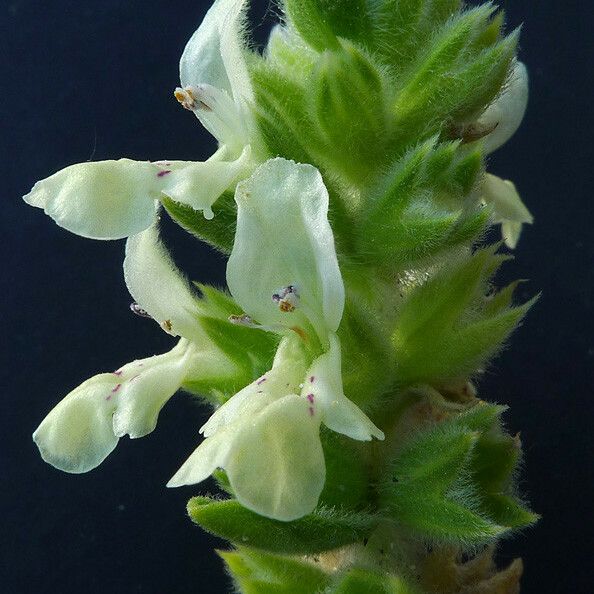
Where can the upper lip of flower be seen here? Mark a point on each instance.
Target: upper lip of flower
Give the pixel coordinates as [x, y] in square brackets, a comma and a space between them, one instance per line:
[213, 68]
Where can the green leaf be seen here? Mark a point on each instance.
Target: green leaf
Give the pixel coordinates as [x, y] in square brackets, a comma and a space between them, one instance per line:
[364, 581]
[502, 300]
[217, 232]
[320, 531]
[433, 307]
[347, 476]
[256, 572]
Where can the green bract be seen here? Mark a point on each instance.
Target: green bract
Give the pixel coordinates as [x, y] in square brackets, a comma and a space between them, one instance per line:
[349, 191]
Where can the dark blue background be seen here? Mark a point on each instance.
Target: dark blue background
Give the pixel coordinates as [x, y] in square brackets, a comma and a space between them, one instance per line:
[88, 79]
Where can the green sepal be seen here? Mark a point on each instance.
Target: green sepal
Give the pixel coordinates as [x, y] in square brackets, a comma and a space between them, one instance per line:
[286, 53]
[481, 417]
[427, 491]
[347, 477]
[347, 100]
[493, 467]
[443, 330]
[399, 25]
[502, 299]
[322, 530]
[279, 108]
[220, 476]
[217, 303]
[365, 581]
[322, 22]
[256, 572]
[455, 77]
[251, 349]
[419, 208]
[366, 354]
[218, 232]
[452, 483]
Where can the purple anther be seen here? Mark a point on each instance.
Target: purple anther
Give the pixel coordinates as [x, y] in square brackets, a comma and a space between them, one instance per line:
[164, 172]
[116, 388]
[311, 411]
[312, 379]
[310, 397]
[261, 381]
[118, 372]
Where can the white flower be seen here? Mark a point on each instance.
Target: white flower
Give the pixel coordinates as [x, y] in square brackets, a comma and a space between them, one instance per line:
[115, 199]
[284, 272]
[508, 208]
[80, 432]
[505, 115]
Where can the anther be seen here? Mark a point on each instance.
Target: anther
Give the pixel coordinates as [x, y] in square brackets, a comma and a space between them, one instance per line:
[287, 299]
[189, 99]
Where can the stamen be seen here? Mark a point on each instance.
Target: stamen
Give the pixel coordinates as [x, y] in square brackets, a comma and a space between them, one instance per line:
[167, 325]
[287, 299]
[244, 320]
[189, 98]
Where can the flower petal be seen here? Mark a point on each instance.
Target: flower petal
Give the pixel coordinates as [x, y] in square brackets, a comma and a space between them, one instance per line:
[508, 208]
[284, 378]
[100, 200]
[200, 184]
[158, 286]
[214, 53]
[510, 233]
[504, 197]
[507, 111]
[323, 387]
[276, 467]
[215, 80]
[153, 382]
[211, 454]
[283, 240]
[77, 435]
